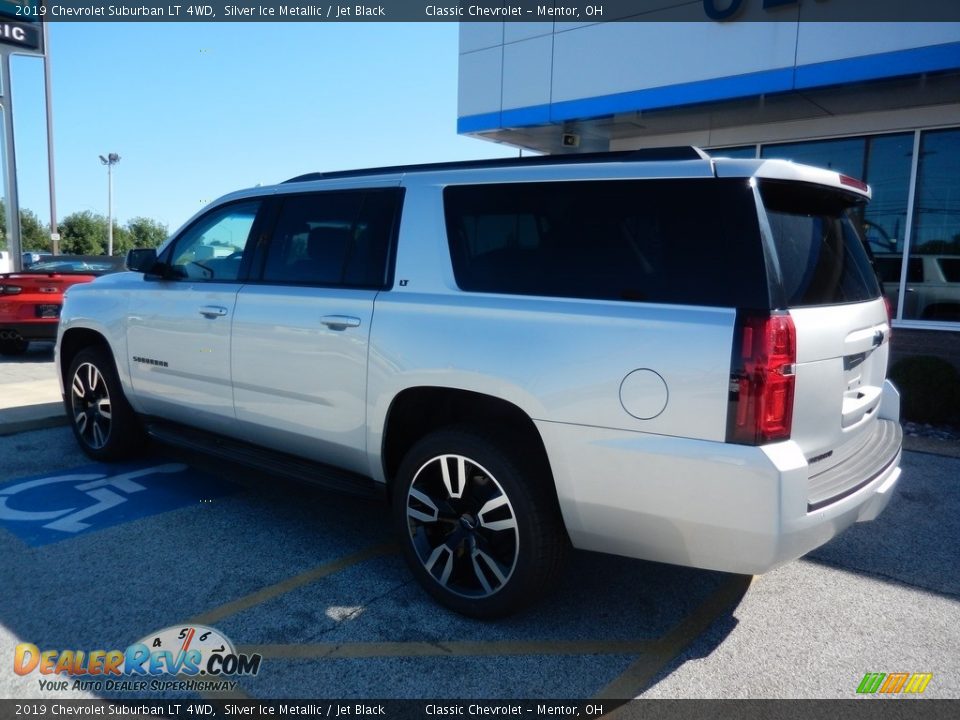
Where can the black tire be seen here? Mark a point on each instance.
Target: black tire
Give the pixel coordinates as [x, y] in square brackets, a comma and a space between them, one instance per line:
[489, 540]
[102, 420]
[14, 347]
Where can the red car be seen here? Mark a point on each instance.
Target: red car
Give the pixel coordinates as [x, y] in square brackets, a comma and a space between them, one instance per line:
[30, 300]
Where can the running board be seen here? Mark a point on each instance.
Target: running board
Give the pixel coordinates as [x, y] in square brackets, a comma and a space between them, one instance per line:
[262, 459]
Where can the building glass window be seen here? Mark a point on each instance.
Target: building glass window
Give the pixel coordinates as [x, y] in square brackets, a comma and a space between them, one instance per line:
[889, 158]
[934, 291]
[744, 151]
[845, 155]
[884, 219]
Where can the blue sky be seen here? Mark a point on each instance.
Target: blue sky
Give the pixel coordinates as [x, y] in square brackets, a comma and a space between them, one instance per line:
[196, 110]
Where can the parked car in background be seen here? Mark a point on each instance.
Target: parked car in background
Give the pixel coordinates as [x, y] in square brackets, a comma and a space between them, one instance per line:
[32, 257]
[30, 300]
[933, 285]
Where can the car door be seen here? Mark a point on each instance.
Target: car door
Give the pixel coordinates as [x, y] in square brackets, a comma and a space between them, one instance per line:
[178, 325]
[301, 328]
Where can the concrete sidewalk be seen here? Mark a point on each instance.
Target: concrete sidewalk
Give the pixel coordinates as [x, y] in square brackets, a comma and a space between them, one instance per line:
[29, 391]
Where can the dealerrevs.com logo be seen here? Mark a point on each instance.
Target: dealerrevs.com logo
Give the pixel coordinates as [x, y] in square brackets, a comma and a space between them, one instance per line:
[203, 658]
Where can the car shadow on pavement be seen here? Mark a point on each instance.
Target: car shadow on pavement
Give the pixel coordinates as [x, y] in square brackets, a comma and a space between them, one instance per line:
[38, 352]
[916, 540]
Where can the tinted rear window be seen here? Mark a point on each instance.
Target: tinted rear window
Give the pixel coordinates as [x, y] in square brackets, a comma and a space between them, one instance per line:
[691, 242]
[950, 268]
[822, 257]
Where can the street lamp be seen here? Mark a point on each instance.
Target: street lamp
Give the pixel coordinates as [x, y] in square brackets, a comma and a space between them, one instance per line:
[110, 160]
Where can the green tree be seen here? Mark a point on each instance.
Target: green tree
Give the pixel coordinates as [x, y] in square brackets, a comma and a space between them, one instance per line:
[34, 235]
[146, 233]
[122, 240]
[83, 233]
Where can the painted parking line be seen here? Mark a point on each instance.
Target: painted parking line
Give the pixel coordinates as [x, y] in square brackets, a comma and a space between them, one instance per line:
[49, 508]
[654, 655]
[261, 596]
[271, 591]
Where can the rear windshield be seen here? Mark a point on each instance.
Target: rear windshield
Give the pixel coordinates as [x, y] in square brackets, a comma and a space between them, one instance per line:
[78, 265]
[684, 241]
[821, 254]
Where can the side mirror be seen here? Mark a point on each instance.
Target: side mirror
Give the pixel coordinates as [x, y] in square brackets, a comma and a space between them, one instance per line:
[141, 259]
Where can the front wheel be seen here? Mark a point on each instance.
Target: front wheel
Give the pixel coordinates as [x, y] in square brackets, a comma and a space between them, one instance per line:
[479, 525]
[102, 420]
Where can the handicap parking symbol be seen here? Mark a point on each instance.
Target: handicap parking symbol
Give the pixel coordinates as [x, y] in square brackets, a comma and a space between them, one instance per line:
[47, 509]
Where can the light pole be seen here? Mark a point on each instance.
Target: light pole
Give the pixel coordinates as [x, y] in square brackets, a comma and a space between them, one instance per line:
[54, 235]
[110, 160]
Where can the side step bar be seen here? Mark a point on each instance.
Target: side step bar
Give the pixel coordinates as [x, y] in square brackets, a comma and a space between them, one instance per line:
[262, 459]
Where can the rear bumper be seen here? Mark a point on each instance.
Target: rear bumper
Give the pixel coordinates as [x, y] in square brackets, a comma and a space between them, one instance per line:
[37, 330]
[698, 503]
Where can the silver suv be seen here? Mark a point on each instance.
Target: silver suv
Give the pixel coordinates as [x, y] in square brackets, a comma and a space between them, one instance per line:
[655, 354]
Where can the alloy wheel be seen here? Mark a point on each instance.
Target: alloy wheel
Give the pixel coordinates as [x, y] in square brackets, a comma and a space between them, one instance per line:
[92, 414]
[462, 526]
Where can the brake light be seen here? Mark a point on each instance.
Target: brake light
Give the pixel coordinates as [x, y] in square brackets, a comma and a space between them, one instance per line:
[762, 380]
[888, 304]
[854, 183]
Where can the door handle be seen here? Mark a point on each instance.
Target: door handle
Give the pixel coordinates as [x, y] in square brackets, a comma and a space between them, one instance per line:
[340, 322]
[213, 311]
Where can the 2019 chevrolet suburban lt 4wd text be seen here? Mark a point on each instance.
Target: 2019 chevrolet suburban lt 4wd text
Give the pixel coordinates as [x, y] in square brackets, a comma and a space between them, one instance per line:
[655, 354]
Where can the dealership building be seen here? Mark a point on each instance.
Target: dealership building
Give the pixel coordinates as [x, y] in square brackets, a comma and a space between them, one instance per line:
[874, 100]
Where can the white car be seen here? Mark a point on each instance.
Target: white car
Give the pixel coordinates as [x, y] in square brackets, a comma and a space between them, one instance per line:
[933, 285]
[655, 354]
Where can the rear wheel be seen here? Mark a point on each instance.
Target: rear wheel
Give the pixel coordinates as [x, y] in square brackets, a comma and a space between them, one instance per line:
[102, 420]
[17, 346]
[479, 526]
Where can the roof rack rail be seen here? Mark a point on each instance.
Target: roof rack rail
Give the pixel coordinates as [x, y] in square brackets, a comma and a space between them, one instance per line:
[660, 154]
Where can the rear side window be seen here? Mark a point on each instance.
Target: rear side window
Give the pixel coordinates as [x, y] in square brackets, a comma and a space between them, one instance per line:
[690, 242]
[889, 267]
[333, 238]
[950, 267]
[822, 257]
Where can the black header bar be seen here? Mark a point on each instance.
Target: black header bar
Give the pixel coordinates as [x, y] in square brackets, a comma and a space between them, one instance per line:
[723, 11]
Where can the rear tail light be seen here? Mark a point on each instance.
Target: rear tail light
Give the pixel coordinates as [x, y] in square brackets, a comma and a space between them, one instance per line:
[762, 379]
[10, 289]
[888, 304]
